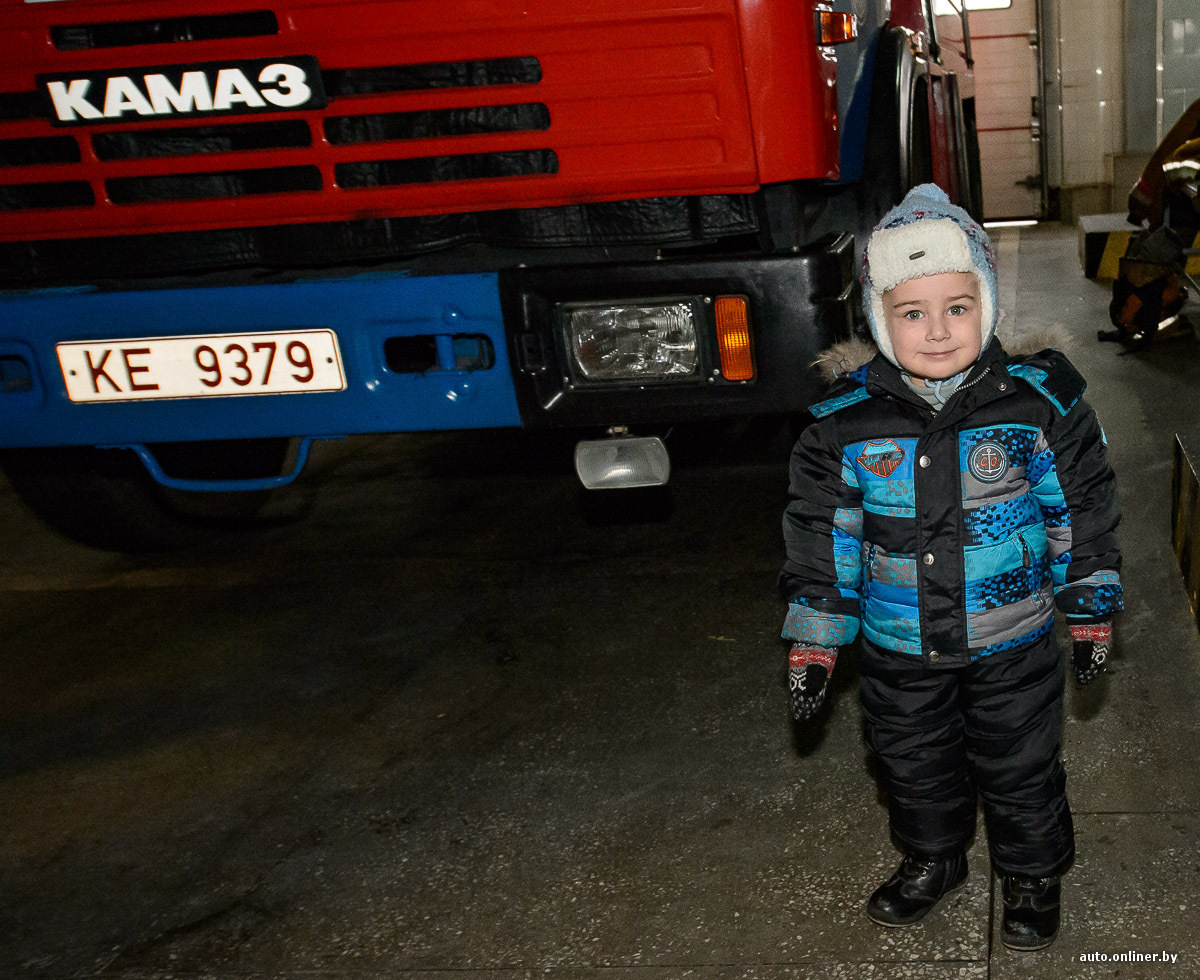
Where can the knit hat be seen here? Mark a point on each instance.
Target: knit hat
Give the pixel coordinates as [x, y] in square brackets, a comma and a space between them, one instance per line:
[925, 235]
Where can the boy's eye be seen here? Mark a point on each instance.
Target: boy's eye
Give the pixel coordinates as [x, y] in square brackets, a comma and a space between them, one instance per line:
[913, 315]
[957, 310]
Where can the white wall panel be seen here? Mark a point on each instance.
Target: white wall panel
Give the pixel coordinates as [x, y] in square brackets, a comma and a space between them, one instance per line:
[1091, 47]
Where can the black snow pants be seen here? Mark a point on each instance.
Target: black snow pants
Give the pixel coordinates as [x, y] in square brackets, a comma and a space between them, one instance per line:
[995, 724]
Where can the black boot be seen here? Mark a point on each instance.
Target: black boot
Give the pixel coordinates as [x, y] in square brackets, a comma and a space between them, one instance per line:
[1031, 913]
[915, 888]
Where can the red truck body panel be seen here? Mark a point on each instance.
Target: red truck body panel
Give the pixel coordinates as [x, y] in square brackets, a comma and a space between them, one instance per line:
[793, 96]
[645, 98]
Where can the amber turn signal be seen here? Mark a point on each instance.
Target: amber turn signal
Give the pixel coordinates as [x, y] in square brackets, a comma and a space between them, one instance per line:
[733, 338]
[836, 28]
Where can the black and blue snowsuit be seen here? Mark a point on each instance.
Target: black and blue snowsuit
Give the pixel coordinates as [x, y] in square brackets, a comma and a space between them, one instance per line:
[950, 537]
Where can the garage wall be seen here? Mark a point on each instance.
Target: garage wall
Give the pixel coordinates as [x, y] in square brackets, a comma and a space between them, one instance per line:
[1162, 68]
[1123, 72]
[1141, 76]
[1082, 117]
[1180, 60]
[1116, 75]
[1086, 76]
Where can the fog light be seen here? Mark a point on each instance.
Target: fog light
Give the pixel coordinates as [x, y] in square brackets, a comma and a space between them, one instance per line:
[622, 462]
[630, 342]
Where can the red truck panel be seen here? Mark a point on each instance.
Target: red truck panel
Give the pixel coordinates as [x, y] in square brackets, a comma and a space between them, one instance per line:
[645, 98]
[792, 91]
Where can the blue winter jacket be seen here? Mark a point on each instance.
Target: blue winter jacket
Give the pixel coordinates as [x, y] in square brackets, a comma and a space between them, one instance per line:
[951, 535]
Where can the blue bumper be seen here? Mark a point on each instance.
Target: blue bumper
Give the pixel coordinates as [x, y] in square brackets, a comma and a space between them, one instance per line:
[364, 311]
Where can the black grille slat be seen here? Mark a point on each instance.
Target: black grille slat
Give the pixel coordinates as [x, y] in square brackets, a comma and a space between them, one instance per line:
[170, 30]
[21, 105]
[54, 194]
[186, 141]
[35, 150]
[228, 183]
[428, 170]
[443, 74]
[437, 123]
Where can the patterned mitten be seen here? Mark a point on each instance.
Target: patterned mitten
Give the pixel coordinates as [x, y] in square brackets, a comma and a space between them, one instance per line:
[809, 668]
[1090, 643]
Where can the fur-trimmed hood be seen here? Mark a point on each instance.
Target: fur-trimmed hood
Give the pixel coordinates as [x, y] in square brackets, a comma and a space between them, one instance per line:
[848, 355]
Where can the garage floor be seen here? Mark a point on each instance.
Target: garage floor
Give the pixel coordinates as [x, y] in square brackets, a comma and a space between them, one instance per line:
[445, 719]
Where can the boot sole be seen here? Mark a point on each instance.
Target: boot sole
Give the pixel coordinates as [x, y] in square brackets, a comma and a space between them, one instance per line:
[1027, 949]
[912, 922]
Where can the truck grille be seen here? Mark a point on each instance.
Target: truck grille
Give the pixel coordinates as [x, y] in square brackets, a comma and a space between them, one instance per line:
[421, 170]
[214, 27]
[38, 149]
[20, 105]
[442, 74]
[191, 140]
[50, 194]
[513, 109]
[340, 130]
[345, 130]
[227, 183]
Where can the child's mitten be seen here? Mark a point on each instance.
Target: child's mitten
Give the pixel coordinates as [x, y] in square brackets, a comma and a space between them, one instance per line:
[1090, 643]
[809, 669]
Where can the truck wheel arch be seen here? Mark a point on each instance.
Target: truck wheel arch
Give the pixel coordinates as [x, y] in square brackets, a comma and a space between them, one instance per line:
[897, 152]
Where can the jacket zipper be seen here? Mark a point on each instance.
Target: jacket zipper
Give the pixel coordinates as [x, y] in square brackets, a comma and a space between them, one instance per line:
[970, 384]
[1027, 562]
[963, 387]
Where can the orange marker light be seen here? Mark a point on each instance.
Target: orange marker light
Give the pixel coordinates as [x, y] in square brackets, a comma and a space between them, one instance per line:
[836, 28]
[733, 338]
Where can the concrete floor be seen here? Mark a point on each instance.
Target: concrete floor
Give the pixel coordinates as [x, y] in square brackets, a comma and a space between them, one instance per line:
[447, 720]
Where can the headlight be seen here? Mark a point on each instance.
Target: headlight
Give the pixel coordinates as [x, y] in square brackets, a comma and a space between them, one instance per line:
[610, 342]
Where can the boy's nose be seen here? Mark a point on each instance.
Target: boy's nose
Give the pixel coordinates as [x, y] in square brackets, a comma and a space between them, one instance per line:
[937, 329]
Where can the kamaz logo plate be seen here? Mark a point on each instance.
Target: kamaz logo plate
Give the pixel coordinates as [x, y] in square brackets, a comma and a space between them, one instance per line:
[214, 88]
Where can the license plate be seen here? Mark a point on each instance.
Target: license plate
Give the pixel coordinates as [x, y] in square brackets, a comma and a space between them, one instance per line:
[207, 366]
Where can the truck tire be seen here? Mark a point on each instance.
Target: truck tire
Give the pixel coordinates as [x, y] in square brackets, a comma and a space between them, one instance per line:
[973, 176]
[897, 156]
[104, 498]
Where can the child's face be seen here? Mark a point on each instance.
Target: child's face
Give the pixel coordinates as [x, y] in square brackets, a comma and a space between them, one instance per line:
[935, 323]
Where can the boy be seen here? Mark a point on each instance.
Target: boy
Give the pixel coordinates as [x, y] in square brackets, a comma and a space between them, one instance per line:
[947, 498]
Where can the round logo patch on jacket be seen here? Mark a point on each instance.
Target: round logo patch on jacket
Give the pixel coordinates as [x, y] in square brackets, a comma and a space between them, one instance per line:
[988, 462]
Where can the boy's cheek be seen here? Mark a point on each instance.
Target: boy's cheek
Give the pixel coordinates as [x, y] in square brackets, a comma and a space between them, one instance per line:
[895, 327]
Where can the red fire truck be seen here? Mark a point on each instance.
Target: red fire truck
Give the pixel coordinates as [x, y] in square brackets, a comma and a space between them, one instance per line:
[228, 229]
